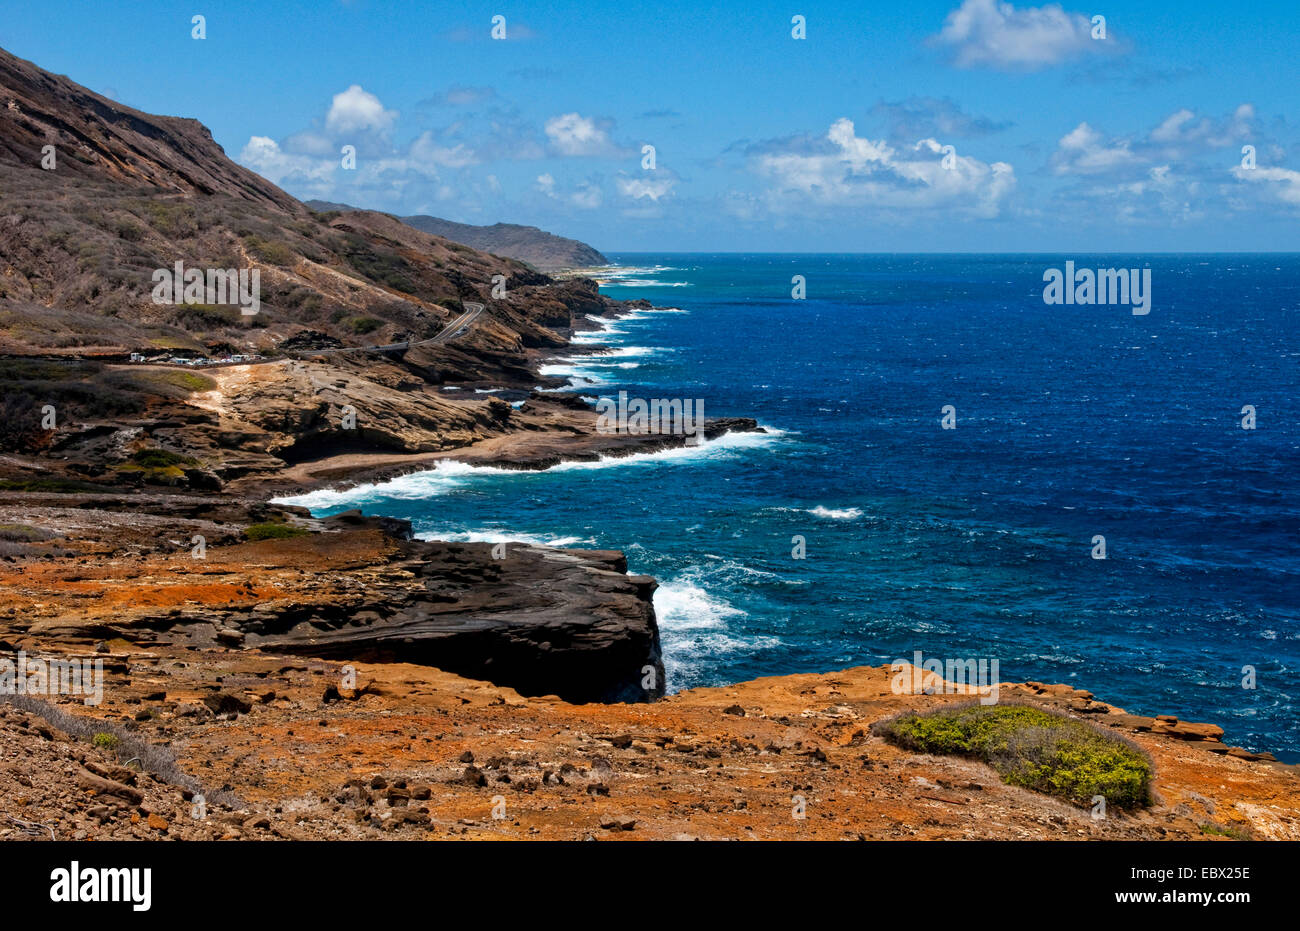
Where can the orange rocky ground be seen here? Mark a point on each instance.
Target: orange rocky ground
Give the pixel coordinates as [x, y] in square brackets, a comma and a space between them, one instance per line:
[292, 746]
[413, 752]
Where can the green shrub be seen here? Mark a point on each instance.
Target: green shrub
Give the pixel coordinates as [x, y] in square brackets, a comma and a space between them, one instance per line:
[380, 265]
[59, 485]
[167, 383]
[129, 231]
[155, 458]
[22, 533]
[197, 316]
[1218, 830]
[363, 325]
[269, 531]
[105, 741]
[1033, 748]
[170, 218]
[268, 250]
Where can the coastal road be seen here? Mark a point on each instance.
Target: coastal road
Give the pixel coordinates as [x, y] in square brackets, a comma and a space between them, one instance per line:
[446, 334]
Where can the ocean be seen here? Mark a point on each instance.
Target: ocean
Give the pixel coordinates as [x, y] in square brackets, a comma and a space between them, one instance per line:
[1069, 422]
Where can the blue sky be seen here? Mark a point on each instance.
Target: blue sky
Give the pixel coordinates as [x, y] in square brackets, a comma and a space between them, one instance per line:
[763, 142]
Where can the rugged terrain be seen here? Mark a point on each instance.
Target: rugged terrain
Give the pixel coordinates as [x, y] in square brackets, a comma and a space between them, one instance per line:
[309, 749]
[275, 679]
[274, 675]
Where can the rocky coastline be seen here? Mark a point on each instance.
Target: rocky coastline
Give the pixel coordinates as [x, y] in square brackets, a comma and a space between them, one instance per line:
[269, 674]
[339, 679]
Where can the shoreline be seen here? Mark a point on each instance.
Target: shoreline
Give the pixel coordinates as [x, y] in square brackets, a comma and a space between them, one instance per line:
[570, 439]
[371, 657]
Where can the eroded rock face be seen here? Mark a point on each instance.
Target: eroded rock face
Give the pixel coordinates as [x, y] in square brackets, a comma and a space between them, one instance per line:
[109, 140]
[543, 621]
[540, 620]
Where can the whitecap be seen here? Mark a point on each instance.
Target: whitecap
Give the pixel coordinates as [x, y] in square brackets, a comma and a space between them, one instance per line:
[493, 535]
[836, 513]
[450, 474]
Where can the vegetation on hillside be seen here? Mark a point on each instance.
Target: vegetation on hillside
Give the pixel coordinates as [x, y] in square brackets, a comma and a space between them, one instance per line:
[1033, 748]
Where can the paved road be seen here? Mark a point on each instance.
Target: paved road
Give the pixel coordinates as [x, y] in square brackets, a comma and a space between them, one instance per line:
[449, 332]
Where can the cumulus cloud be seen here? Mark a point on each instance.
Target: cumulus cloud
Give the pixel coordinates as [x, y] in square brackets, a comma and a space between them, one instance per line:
[427, 151]
[572, 134]
[844, 169]
[1083, 150]
[1182, 135]
[1281, 183]
[587, 195]
[459, 95]
[993, 34]
[358, 110]
[1184, 168]
[303, 172]
[1183, 127]
[650, 186]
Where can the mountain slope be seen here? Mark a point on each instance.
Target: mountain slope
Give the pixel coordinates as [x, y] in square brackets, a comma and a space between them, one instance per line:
[132, 194]
[98, 138]
[540, 249]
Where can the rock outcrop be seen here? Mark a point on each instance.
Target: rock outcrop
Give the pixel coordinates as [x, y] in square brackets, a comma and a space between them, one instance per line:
[348, 588]
[95, 137]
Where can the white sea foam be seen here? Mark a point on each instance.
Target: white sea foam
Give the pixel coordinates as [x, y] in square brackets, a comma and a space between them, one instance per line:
[822, 511]
[684, 606]
[695, 628]
[641, 283]
[836, 513]
[622, 352]
[592, 369]
[445, 476]
[448, 475]
[492, 535]
[635, 276]
[609, 326]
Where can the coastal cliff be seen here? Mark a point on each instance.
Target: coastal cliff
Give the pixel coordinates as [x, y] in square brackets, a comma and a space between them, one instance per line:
[335, 678]
[133, 427]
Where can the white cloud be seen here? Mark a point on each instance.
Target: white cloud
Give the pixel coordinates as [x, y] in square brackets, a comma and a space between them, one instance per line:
[846, 170]
[651, 188]
[356, 110]
[1181, 136]
[1182, 128]
[424, 150]
[1171, 129]
[1083, 150]
[993, 34]
[1283, 183]
[588, 196]
[576, 135]
[546, 184]
[265, 157]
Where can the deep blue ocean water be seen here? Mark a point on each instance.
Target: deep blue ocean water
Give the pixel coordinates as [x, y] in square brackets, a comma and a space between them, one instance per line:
[1072, 421]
